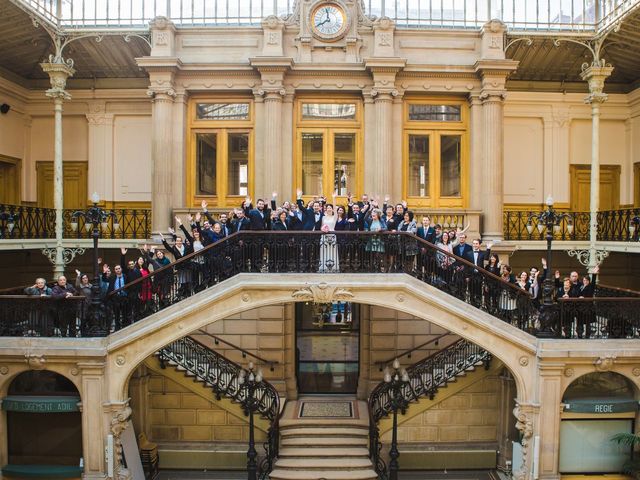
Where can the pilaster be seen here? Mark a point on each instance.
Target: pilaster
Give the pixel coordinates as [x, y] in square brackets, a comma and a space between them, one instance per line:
[378, 182]
[93, 433]
[29, 180]
[549, 428]
[163, 37]
[267, 171]
[290, 381]
[477, 152]
[100, 151]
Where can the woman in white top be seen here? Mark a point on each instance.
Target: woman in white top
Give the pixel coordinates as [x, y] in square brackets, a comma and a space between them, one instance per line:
[328, 242]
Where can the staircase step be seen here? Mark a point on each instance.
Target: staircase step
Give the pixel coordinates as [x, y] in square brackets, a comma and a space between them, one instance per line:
[314, 463]
[311, 442]
[278, 474]
[318, 453]
[305, 432]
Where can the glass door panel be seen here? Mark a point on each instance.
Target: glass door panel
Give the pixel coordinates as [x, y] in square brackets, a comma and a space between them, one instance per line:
[418, 174]
[450, 165]
[206, 156]
[238, 164]
[327, 347]
[344, 163]
[312, 162]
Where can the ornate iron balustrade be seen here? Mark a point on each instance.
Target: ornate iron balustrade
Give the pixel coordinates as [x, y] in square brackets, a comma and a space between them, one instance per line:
[22, 315]
[599, 317]
[221, 375]
[424, 379]
[317, 252]
[613, 225]
[23, 222]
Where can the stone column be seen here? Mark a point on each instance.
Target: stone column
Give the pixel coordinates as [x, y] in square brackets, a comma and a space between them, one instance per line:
[596, 76]
[492, 165]
[365, 356]
[58, 70]
[378, 175]
[272, 73]
[29, 193]
[101, 152]
[286, 175]
[477, 153]
[179, 150]
[161, 156]
[550, 409]
[369, 132]
[272, 143]
[290, 381]
[493, 68]
[93, 436]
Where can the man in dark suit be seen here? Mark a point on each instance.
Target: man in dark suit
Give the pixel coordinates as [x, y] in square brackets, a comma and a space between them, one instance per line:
[474, 277]
[240, 223]
[463, 249]
[259, 217]
[426, 231]
[477, 256]
[311, 217]
[356, 218]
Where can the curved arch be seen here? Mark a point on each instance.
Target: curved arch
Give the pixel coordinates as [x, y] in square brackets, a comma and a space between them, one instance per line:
[629, 379]
[7, 380]
[128, 348]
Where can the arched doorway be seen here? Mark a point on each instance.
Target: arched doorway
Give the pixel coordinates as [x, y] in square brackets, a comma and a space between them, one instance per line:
[596, 406]
[44, 427]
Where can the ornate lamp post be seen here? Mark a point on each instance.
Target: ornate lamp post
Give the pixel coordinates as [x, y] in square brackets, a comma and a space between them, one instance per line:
[250, 381]
[550, 220]
[398, 381]
[96, 218]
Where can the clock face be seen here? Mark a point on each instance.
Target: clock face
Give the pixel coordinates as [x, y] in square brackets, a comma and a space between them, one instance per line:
[328, 20]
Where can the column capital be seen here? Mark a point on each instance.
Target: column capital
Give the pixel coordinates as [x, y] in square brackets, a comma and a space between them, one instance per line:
[492, 96]
[58, 71]
[100, 118]
[383, 94]
[162, 95]
[596, 75]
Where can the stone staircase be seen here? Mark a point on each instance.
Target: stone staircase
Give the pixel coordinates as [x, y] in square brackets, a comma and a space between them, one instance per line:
[324, 448]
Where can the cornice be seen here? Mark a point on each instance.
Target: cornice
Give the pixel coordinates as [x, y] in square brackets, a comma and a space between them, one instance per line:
[159, 64]
[17, 91]
[437, 71]
[384, 64]
[271, 64]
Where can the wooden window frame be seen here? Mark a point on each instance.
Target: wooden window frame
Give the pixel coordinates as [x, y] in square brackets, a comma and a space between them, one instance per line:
[435, 130]
[222, 128]
[328, 128]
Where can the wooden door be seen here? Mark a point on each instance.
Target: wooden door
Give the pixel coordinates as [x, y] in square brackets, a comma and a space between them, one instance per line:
[75, 184]
[9, 180]
[581, 187]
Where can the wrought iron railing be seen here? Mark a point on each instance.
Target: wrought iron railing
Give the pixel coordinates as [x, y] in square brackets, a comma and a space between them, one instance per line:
[613, 225]
[317, 252]
[222, 376]
[599, 317]
[25, 316]
[24, 222]
[425, 378]
[568, 15]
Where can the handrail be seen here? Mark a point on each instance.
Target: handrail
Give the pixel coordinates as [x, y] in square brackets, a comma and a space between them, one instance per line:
[426, 377]
[411, 350]
[244, 352]
[222, 376]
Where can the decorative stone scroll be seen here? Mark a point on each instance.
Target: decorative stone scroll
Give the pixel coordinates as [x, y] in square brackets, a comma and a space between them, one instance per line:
[322, 293]
[119, 422]
[524, 424]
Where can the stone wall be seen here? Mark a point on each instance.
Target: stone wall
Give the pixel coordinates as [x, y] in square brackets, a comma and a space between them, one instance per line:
[178, 414]
[468, 416]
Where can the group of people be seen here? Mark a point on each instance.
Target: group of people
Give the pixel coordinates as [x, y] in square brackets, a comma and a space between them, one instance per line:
[132, 293]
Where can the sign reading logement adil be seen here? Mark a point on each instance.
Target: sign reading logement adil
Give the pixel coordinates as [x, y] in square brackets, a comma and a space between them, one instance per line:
[40, 404]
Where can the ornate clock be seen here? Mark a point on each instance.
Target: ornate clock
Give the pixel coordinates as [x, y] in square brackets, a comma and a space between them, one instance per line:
[329, 20]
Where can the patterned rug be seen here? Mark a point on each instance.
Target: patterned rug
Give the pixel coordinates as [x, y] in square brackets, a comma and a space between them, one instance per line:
[317, 409]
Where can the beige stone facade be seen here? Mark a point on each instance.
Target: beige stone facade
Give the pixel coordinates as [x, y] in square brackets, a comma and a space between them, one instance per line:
[137, 143]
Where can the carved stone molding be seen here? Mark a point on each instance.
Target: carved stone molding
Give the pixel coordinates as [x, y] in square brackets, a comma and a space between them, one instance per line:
[322, 293]
[119, 422]
[604, 364]
[35, 361]
[524, 424]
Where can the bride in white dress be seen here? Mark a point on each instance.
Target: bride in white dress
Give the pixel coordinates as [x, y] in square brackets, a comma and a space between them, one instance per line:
[328, 242]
